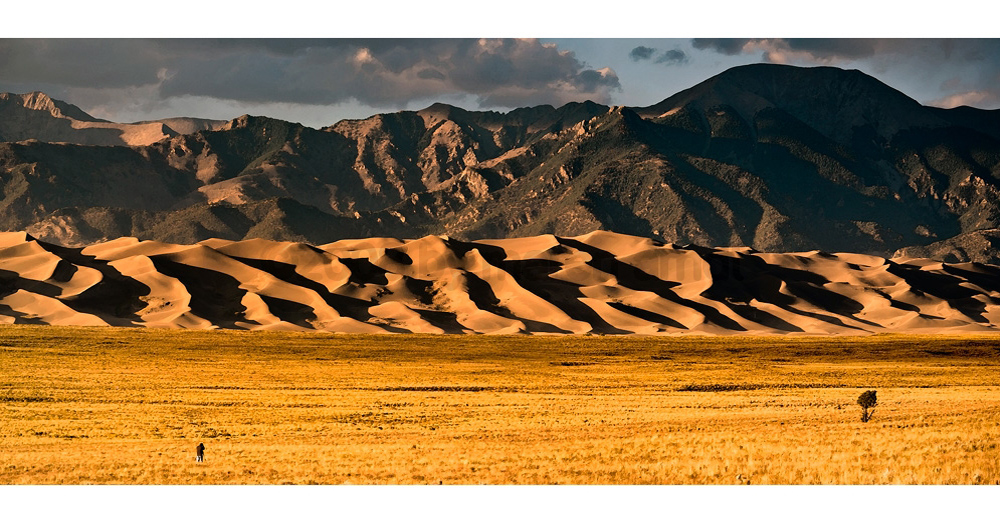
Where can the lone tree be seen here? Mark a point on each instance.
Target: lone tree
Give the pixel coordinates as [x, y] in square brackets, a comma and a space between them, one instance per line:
[867, 400]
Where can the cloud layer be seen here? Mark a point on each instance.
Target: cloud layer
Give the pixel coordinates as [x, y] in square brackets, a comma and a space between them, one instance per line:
[378, 72]
[671, 57]
[817, 50]
[318, 81]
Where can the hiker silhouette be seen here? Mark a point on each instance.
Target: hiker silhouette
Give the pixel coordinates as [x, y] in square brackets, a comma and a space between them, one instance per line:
[201, 451]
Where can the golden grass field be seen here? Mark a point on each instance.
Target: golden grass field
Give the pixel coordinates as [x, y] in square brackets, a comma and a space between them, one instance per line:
[114, 405]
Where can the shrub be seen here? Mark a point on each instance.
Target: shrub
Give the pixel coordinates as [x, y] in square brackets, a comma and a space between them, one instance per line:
[867, 400]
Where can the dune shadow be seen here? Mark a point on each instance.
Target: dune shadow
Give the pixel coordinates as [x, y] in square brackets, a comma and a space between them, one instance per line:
[115, 296]
[534, 275]
[398, 256]
[635, 278]
[943, 286]
[446, 321]
[215, 296]
[64, 271]
[481, 293]
[946, 287]
[646, 315]
[459, 247]
[290, 311]
[739, 280]
[494, 255]
[11, 282]
[344, 305]
[364, 272]
[829, 319]
[762, 317]
[19, 317]
[985, 276]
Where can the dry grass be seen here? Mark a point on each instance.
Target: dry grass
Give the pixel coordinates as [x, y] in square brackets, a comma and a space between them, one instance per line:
[129, 405]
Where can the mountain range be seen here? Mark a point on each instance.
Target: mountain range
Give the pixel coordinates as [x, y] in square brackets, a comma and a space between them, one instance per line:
[771, 157]
[36, 116]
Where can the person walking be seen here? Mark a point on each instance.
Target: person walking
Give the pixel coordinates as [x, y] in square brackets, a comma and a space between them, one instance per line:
[201, 451]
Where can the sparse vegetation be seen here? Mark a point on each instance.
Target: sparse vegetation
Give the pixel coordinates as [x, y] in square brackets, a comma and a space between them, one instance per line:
[113, 405]
[868, 401]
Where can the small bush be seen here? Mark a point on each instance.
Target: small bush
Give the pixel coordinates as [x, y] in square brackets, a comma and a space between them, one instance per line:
[867, 400]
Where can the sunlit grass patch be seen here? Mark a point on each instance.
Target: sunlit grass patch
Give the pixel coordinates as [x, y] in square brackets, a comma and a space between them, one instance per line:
[130, 405]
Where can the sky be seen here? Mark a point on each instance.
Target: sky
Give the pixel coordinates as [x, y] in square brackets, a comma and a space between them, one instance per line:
[320, 80]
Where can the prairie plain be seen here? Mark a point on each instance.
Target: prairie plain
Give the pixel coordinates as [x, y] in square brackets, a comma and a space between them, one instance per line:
[128, 406]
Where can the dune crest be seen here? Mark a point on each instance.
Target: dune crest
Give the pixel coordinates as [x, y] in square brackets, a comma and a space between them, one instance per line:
[600, 282]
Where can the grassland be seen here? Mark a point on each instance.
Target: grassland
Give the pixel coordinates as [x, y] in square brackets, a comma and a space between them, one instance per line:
[108, 406]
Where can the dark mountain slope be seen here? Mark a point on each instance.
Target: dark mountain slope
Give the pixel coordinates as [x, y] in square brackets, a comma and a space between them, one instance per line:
[835, 102]
[773, 157]
[980, 246]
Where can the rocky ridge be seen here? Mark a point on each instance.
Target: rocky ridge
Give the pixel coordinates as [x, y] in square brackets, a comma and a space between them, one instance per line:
[776, 158]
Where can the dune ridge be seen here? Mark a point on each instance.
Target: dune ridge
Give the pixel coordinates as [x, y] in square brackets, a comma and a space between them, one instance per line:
[601, 282]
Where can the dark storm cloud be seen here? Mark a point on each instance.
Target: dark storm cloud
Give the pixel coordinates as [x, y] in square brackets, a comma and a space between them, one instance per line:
[672, 57]
[641, 53]
[816, 48]
[312, 71]
[77, 63]
[496, 69]
[844, 48]
[829, 50]
[431, 74]
[729, 46]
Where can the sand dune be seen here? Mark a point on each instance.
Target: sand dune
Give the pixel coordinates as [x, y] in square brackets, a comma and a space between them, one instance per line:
[600, 282]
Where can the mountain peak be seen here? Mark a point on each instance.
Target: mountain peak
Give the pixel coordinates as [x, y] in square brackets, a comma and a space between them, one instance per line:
[250, 121]
[39, 101]
[38, 116]
[810, 94]
[441, 111]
